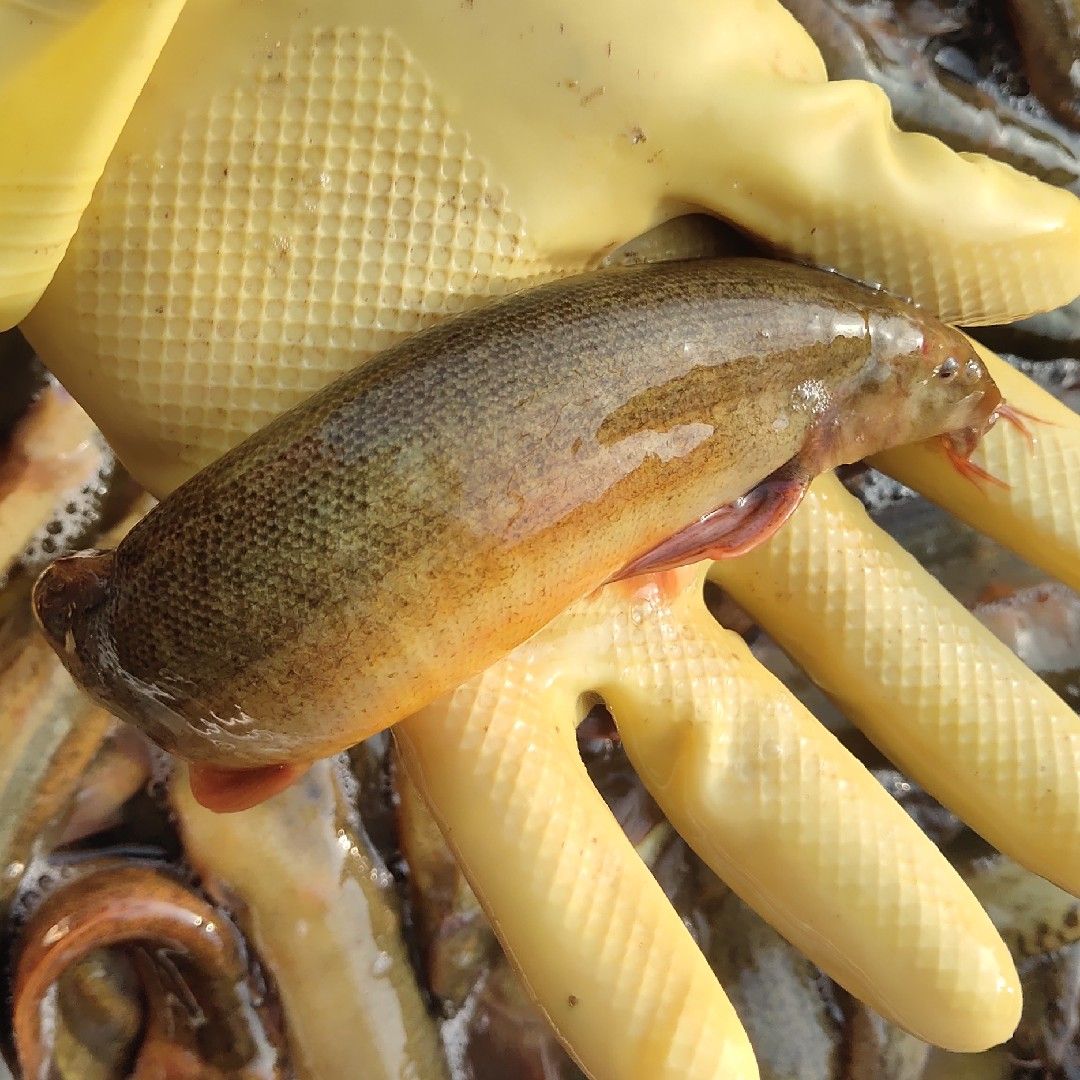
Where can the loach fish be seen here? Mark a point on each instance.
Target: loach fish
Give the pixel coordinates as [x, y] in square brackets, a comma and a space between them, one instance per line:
[415, 520]
[1048, 32]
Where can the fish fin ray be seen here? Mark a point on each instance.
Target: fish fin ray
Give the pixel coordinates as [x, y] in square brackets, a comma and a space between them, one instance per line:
[732, 529]
[226, 791]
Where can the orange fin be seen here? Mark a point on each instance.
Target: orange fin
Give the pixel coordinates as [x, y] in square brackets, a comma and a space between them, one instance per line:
[226, 791]
[730, 530]
[666, 584]
[969, 470]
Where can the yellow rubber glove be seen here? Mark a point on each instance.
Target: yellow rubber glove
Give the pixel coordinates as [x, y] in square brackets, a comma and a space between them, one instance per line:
[294, 191]
[70, 71]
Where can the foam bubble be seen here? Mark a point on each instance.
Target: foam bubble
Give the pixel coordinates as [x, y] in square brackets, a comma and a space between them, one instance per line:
[73, 518]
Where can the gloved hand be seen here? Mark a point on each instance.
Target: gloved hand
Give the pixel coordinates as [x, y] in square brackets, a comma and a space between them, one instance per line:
[70, 71]
[295, 191]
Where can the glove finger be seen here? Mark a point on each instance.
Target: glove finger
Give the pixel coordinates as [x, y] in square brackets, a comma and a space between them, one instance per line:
[833, 180]
[599, 946]
[788, 818]
[932, 687]
[1034, 916]
[1038, 514]
[69, 75]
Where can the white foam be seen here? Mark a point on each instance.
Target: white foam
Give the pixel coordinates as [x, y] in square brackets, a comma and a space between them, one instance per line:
[73, 516]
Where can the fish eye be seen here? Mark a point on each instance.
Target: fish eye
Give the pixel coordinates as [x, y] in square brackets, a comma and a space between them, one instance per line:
[947, 368]
[973, 371]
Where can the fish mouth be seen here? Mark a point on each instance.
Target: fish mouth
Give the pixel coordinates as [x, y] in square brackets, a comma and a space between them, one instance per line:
[65, 591]
[960, 443]
[981, 415]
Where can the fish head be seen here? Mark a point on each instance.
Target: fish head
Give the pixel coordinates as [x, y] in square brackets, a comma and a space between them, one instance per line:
[921, 380]
[67, 599]
[953, 395]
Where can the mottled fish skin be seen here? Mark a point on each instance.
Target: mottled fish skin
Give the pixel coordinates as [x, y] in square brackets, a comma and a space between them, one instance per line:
[426, 513]
[1049, 35]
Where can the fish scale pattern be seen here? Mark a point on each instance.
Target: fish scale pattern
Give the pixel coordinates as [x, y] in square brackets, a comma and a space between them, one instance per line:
[558, 869]
[933, 688]
[799, 828]
[316, 212]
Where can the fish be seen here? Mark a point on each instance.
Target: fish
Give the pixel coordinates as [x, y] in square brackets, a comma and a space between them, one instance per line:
[1048, 33]
[420, 517]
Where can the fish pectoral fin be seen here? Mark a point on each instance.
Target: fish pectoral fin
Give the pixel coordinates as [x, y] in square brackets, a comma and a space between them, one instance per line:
[226, 791]
[732, 529]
